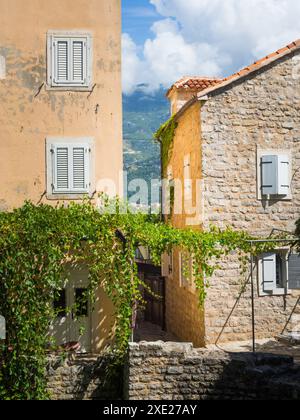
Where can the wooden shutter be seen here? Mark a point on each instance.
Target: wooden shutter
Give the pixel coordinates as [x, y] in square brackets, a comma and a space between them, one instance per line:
[61, 61]
[78, 59]
[283, 175]
[294, 272]
[268, 262]
[61, 168]
[69, 59]
[71, 168]
[80, 168]
[269, 175]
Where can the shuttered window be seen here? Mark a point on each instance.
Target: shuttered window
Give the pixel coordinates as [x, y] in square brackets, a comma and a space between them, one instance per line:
[275, 175]
[69, 60]
[274, 267]
[70, 168]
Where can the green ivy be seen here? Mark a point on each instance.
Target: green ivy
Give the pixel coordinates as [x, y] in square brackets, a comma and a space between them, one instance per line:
[38, 242]
[165, 135]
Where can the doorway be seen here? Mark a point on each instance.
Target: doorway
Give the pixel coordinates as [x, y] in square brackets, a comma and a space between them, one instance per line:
[73, 323]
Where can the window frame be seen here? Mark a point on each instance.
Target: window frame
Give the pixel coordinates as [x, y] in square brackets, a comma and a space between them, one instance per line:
[271, 152]
[70, 142]
[69, 36]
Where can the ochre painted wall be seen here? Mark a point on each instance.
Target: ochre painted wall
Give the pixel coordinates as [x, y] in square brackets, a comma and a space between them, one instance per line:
[184, 318]
[28, 116]
[26, 119]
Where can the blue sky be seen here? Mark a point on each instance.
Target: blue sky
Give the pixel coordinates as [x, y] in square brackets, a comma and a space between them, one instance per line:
[164, 40]
[138, 16]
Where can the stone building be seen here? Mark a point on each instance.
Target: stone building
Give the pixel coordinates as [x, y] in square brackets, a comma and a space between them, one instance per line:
[236, 150]
[61, 119]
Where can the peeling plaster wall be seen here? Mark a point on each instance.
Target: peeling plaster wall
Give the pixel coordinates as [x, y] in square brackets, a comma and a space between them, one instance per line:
[29, 113]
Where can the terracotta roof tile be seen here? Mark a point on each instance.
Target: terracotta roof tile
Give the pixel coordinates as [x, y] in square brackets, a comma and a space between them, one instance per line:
[196, 83]
[277, 54]
[209, 84]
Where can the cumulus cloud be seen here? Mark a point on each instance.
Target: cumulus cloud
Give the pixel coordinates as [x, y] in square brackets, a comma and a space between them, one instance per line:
[207, 37]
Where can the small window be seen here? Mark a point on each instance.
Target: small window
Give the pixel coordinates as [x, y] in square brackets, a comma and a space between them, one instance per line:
[59, 304]
[274, 176]
[69, 166]
[69, 60]
[273, 272]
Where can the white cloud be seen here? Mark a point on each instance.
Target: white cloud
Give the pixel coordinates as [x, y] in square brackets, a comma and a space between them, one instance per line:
[209, 38]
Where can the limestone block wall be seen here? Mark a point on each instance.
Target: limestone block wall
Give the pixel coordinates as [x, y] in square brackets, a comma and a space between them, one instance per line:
[84, 378]
[158, 371]
[261, 112]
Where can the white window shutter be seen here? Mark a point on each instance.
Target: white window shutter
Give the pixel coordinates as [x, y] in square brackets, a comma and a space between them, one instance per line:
[78, 60]
[268, 262]
[283, 175]
[71, 168]
[61, 172]
[269, 170]
[80, 168]
[61, 61]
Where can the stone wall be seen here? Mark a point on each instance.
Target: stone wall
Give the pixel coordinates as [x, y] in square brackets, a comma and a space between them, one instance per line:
[83, 378]
[172, 371]
[260, 112]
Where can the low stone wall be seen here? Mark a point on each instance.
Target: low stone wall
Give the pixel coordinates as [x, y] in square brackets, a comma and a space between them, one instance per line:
[159, 371]
[84, 378]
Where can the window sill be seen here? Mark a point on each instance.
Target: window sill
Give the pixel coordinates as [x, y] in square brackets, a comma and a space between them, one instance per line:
[58, 197]
[276, 292]
[70, 88]
[274, 198]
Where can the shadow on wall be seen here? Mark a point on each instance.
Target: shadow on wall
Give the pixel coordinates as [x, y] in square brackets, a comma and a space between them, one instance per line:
[158, 371]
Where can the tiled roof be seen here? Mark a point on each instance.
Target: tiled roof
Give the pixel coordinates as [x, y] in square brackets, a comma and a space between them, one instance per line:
[214, 83]
[254, 67]
[196, 83]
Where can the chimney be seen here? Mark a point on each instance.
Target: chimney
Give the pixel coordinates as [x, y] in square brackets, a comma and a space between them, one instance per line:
[187, 88]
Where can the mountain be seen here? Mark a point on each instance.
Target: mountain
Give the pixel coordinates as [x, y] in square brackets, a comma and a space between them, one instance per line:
[142, 116]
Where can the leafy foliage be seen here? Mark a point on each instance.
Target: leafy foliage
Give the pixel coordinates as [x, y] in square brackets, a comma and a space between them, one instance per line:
[38, 242]
[165, 135]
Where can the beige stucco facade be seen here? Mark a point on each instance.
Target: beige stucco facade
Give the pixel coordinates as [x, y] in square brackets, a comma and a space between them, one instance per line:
[225, 131]
[30, 112]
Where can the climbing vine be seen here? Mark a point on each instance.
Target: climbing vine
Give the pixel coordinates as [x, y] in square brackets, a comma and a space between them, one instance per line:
[37, 245]
[165, 135]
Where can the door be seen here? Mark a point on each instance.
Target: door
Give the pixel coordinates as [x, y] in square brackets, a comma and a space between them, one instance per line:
[155, 301]
[73, 323]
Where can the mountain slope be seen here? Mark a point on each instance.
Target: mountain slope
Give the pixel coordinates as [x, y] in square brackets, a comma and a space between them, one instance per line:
[143, 115]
